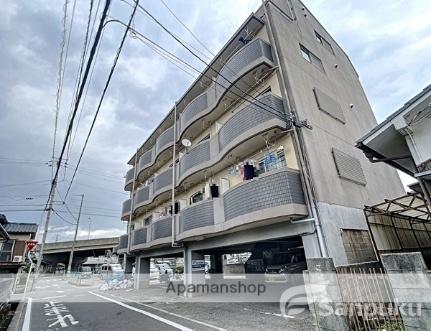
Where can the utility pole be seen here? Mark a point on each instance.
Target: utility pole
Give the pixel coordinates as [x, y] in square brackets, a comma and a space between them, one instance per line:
[89, 227]
[45, 230]
[69, 267]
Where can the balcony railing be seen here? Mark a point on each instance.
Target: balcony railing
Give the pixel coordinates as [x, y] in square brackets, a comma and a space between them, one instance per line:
[197, 155]
[279, 188]
[242, 59]
[164, 140]
[250, 117]
[277, 194]
[161, 228]
[250, 56]
[123, 243]
[145, 160]
[197, 105]
[197, 216]
[129, 179]
[162, 182]
[142, 196]
[139, 236]
[127, 208]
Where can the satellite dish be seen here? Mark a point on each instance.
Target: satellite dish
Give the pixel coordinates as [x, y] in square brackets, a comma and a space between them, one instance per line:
[186, 143]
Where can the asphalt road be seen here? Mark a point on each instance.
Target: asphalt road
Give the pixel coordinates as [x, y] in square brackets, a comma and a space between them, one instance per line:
[56, 305]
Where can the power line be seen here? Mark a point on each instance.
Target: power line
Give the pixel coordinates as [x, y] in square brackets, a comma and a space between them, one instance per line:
[59, 76]
[81, 64]
[187, 28]
[63, 219]
[199, 58]
[103, 95]
[69, 129]
[276, 113]
[91, 76]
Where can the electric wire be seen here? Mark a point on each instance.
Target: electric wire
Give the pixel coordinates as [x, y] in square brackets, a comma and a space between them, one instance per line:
[197, 56]
[103, 95]
[91, 76]
[81, 67]
[276, 113]
[59, 77]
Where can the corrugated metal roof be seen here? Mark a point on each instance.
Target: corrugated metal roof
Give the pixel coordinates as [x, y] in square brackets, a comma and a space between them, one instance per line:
[20, 227]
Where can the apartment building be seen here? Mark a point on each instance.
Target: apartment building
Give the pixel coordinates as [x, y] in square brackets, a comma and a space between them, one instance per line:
[265, 163]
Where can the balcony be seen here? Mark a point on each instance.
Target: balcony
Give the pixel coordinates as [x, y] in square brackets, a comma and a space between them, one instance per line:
[162, 182]
[145, 161]
[237, 75]
[142, 197]
[123, 243]
[197, 216]
[273, 197]
[161, 228]
[165, 140]
[247, 57]
[139, 238]
[240, 134]
[126, 210]
[195, 158]
[129, 179]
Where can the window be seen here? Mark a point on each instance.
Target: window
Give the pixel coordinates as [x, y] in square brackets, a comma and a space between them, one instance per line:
[323, 42]
[310, 57]
[6, 249]
[305, 53]
[198, 196]
[357, 245]
[272, 161]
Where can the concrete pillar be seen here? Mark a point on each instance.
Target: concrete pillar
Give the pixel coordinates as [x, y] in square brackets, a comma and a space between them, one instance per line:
[323, 295]
[142, 272]
[411, 285]
[311, 246]
[192, 274]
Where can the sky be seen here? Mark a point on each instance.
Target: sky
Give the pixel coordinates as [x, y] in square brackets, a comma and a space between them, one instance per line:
[389, 43]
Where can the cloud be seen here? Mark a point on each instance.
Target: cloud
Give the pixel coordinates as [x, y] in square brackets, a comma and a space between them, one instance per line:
[389, 43]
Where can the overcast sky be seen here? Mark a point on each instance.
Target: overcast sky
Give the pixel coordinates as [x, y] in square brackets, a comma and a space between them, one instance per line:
[389, 42]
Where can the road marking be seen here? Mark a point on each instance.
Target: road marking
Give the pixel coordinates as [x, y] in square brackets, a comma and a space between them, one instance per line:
[161, 319]
[176, 315]
[54, 297]
[27, 316]
[56, 309]
[59, 291]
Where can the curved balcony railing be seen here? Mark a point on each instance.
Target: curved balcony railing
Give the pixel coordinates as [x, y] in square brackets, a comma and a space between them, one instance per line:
[196, 216]
[250, 117]
[271, 197]
[139, 236]
[242, 59]
[161, 228]
[162, 182]
[142, 197]
[196, 156]
[123, 243]
[145, 159]
[197, 105]
[276, 189]
[165, 140]
[252, 55]
[127, 208]
[129, 179]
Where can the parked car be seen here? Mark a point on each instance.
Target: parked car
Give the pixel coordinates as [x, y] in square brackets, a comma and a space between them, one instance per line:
[85, 272]
[111, 271]
[284, 273]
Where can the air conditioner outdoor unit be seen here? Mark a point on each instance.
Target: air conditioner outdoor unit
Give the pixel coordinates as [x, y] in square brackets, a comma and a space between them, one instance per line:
[17, 259]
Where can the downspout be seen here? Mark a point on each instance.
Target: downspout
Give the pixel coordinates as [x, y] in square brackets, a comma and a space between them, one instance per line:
[173, 176]
[297, 139]
[132, 205]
